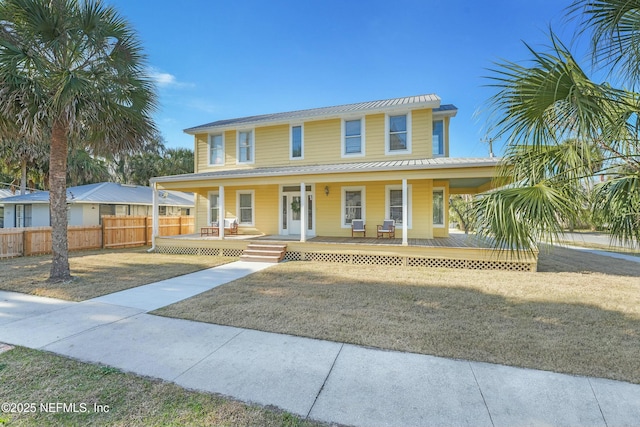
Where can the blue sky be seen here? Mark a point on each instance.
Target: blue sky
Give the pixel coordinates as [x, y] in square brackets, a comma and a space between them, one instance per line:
[224, 59]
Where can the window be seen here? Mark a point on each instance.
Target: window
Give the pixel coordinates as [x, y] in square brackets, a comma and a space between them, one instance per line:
[216, 150]
[245, 147]
[353, 142]
[398, 134]
[438, 208]
[23, 216]
[214, 205]
[352, 205]
[393, 204]
[245, 207]
[297, 142]
[438, 138]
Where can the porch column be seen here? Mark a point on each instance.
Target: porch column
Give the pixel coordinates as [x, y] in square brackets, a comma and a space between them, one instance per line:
[405, 213]
[221, 212]
[303, 213]
[155, 227]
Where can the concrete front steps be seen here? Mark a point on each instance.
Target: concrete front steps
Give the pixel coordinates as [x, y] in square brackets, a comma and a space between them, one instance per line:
[264, 252]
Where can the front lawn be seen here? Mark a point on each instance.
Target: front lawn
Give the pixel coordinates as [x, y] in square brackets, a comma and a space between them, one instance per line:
[98, 273]
[579, 314]
[45, 383]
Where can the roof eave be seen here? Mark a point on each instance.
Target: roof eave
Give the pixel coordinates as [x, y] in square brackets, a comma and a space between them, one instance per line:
[354, 113]
[211, 175]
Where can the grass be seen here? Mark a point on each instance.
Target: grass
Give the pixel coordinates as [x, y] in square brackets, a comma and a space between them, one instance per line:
[579, 314]
[98, 273]
[30, 376]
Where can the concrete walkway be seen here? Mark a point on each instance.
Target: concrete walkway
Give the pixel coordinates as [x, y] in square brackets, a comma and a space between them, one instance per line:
[321, 380]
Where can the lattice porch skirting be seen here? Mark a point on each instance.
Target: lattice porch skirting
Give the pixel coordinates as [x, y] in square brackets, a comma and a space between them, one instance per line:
[365, 259]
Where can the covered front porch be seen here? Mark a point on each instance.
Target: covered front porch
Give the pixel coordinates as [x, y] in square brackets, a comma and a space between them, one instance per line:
[455, 251]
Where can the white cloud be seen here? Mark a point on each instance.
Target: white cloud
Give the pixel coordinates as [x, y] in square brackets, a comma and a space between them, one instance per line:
[166, 79]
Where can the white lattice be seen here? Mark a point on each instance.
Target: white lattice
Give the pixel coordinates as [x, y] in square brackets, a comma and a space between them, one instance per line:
[378, 260]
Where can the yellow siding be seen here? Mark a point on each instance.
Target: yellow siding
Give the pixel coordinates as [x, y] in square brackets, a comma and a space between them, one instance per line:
[202, 206]
[201, 152]
[272, 145]
[322, 143]
[421, 134]
[374, 136]
[329, 208]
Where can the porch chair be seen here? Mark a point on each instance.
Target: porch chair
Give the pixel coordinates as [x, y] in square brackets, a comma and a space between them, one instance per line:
[357, 226]
[388, 227]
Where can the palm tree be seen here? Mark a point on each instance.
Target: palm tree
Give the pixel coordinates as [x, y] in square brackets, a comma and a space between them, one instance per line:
[563, 129]
[83, 168]
[71, 68]
[20, 157]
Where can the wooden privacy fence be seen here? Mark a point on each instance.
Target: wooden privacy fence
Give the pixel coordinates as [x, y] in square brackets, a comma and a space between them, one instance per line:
[115, 232]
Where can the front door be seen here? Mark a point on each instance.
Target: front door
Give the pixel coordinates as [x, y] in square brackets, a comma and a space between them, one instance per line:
[290, 211]
[293, 213]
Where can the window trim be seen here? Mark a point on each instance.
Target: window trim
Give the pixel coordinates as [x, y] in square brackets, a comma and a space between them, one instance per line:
[301, 126]
[209, 194]
[444, 210]
[252, 131]
[343, 136]
[343, 203]
[444, 137]
[387, 139]
[387, 202]
[253, 207]
[210, 146]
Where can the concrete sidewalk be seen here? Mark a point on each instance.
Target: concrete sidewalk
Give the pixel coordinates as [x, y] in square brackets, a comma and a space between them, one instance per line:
[323, 380]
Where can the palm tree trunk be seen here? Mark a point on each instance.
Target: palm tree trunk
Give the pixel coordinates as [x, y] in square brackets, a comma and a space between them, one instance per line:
[58, 203]
[23, 177]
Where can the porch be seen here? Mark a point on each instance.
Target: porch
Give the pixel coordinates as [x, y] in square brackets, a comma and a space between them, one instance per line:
[455, 251]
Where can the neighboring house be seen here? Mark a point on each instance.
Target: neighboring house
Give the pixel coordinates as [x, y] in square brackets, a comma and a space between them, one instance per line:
[312, 172]
[3, 195]
[87, 204]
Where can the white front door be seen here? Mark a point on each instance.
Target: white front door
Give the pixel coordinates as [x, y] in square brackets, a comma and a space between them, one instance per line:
[290, 212]
[293, 213]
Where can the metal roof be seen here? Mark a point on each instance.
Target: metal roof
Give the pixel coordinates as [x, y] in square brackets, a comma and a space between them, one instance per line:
[110, 193]
[387, 165]
[418, 101]
[5, 193]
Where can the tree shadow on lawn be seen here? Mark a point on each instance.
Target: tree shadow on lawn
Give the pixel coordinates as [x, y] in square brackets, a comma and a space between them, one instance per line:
[555, 259]
[536, 330]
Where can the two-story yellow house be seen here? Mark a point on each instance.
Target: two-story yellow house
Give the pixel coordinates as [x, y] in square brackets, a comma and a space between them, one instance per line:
[309, 173]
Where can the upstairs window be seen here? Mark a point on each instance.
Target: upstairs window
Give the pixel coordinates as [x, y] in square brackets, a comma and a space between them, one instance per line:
[438, 138]
[297, 142]
[245, 147]
[353, 140]
[216, 150]
[398, 134]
